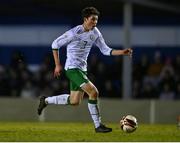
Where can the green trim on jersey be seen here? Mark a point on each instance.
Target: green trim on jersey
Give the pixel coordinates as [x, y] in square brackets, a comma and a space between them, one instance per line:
[77, 77]
[111, 52]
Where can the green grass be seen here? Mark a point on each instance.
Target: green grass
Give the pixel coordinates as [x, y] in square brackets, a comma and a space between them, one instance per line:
[72, 132]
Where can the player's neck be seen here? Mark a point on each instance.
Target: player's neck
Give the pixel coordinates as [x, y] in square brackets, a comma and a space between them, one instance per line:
[86, 27]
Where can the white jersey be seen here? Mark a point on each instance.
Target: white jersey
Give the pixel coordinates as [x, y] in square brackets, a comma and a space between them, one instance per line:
[79, 43]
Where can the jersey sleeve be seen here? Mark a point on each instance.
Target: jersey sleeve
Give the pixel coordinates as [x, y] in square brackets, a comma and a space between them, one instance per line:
[62, 40]
[100, 43]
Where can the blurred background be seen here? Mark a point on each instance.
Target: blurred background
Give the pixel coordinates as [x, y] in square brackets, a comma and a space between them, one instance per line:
[149, 81]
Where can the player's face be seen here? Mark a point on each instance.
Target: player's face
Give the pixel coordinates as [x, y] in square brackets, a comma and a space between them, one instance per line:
[91, 22]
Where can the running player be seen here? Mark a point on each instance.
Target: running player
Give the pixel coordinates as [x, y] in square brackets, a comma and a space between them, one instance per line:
[79, 41]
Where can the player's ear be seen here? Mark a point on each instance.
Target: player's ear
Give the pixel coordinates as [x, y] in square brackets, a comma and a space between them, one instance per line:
[84, 19]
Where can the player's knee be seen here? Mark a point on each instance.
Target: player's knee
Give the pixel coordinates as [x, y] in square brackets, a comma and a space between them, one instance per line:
[94, 94]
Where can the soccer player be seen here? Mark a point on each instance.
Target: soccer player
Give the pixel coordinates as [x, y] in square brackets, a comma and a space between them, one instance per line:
[79, 41]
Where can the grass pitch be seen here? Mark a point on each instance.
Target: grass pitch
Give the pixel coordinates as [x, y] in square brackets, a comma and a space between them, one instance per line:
[82, 132]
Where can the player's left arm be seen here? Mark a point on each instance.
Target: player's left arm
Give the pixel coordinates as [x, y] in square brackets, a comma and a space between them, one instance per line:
[106, 50]
[128, 52]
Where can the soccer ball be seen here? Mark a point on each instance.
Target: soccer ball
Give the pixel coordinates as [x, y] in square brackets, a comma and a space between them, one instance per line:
[128, 123]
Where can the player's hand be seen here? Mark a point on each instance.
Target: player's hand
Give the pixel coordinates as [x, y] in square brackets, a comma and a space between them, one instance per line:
[128, 52]
[57, 71]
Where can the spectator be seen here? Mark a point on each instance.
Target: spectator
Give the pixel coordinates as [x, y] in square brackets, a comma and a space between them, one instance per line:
[167, 93]
[177, 91]
[28, 91]
[148, 91]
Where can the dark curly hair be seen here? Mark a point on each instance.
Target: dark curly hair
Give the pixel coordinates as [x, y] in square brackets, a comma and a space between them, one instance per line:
[88, 11]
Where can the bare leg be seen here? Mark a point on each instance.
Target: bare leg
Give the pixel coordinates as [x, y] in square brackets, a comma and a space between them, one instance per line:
[93, 93]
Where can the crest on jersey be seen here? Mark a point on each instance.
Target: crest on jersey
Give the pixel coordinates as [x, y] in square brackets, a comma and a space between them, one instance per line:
[92, 37]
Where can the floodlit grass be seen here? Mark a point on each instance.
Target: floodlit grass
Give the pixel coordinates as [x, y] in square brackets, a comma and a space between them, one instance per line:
[80, 132]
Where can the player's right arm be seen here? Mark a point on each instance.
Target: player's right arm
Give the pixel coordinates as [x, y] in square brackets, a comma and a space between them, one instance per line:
[58, 67]
[56, 45]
